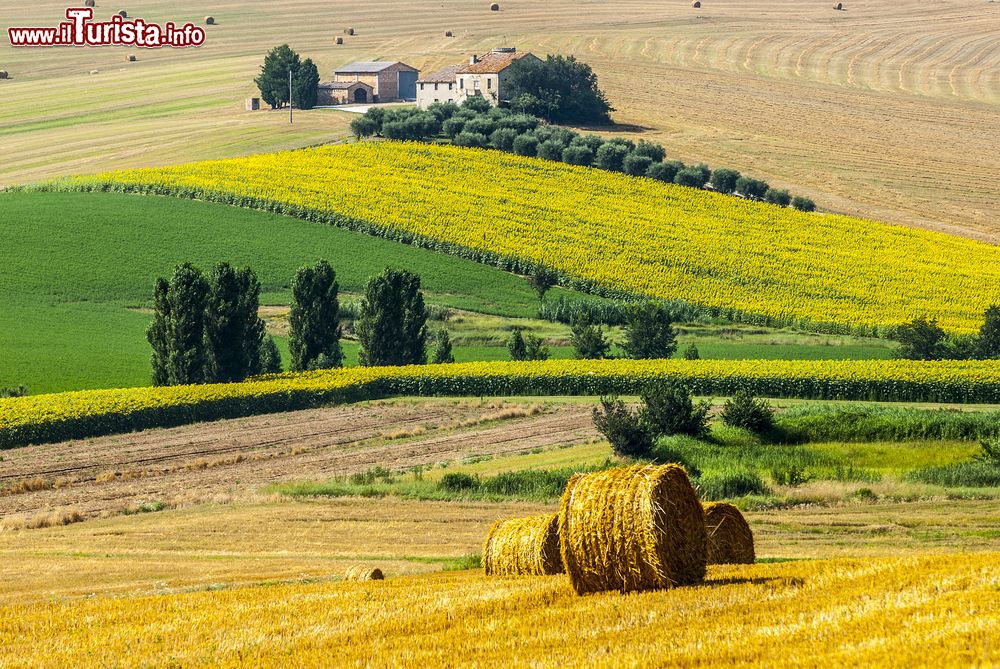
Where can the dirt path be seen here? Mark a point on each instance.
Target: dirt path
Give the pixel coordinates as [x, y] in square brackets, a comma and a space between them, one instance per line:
[232, 459]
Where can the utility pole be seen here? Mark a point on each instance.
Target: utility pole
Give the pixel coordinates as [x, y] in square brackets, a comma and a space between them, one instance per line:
[289, 96]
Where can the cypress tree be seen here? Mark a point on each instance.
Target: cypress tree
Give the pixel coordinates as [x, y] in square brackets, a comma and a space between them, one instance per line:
[158, 333]
[442, 353]
[314, 321]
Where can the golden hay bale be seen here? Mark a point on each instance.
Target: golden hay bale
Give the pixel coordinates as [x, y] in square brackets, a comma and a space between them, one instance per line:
[363, 574]
[730, 540]
[523, 546]
[696, 4]
[130, 58]
[339, 40]
[122, 13]
[89, 3]
[839, 6]
[209, 20]
[449, 33]
[636, 528]
[349, 31]
[494, 7]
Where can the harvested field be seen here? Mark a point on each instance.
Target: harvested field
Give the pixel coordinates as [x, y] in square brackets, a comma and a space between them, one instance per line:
[231, 459]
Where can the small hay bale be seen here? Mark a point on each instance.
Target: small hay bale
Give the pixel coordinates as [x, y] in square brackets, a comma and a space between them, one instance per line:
[130, 58]
[636, 528]
[339, 40]
[363, 574]
[495, 7]
[696, 4]
[4, 74]
[730, 540]
[523, 546]
[449, 34]
[839, 6]
[349, 31]
[209, 20]
[94, 71]
[122, 13]
[89, 3]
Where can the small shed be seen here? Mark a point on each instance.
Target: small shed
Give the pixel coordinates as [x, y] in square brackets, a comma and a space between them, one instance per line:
[390, 80]
[253, 104]
[344, 92]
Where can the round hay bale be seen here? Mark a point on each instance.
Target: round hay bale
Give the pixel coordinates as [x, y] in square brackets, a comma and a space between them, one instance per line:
[696, 4]
[449, 34]
[495, 7]
[636, 528]
[523, 546]
[209, 20]
[89, 3]
[130, 58]
[94, 71]
[4, 74]
[122, 13]
[839, 6]
[349, 31]
[730, 540]
[339, 40]
[363, 574]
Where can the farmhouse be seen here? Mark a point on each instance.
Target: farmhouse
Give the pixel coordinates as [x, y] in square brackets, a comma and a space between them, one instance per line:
[482, 75]
[386, 81]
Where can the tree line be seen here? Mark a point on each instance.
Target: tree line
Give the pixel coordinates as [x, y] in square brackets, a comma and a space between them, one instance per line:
[206, 329]
[475, 123]
[924, 339]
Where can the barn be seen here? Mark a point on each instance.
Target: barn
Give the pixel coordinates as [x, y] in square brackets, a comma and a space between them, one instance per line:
[390, 81]
[344, 92]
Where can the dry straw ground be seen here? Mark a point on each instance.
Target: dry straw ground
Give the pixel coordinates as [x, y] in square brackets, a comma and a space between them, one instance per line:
[886, 109]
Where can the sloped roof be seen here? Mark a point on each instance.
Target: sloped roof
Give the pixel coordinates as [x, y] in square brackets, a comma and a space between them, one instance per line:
[369, 66]
[493, 63]
[442, 76]
[343, 85]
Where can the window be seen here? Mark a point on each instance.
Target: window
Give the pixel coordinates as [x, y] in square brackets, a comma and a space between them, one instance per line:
[449, 85]
[461, 83]
[475, 84]
[421, 87]
[489, 83]
[435, 86]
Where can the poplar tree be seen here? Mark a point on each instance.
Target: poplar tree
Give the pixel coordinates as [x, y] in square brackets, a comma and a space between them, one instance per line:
[233, 330]
[392, 323]
[314, 334]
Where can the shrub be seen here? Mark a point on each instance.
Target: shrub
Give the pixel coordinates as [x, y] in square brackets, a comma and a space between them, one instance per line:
[753, 189]
[745, 411]
[471, 139]
[270, 358]
[692, 177]
[988, 341]
[611, 156]
[588, 340]
[578, 154]
[803, 203]
[623, 428]
[636, 165]
[666, 171]
[550, 150]
[526, 348]
[458, 482]
[13, 391]
[691, 353]
[520, 123]
[503, 139]
[670, 410]
[442, 353]
[482, 125]
[526, 145]
[477, 104]
[592, 142]
[649, 333]
[723, 180]
[654, 152]
[921, 339]
[778, 197]
[731, 484]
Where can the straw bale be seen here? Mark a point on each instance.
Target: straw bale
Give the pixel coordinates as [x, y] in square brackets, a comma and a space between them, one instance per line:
[523, 546]
[730, 540]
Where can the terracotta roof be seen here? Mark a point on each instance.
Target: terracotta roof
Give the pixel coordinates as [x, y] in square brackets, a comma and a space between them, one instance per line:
[342, 85]
[442, 76]
[493, 63]
[369, 66]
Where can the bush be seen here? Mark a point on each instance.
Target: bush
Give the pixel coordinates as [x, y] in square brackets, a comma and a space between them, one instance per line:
[691, 353]
[921, 339]
[744, 411]
[588, 340]
[753, 189]
[578, 154]
[471, 139]
[526, 145]
[665, 171]
[636, 165]
[592, 142]
[520, 123]
[778, 197]
[692, 177]
[477, 104]
[365, 126]
[723, 180]
[550, 150]
[482, 125]
[611, 156]
[623, 428]
[803, 203]
[526, 348]
[670, 410]
[453, 126]
[458, 482]
[502, 139]
[654, 152]
[732, 484]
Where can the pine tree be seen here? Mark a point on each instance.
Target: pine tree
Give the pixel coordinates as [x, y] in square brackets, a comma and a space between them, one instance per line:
[314, 319]
[392, 324]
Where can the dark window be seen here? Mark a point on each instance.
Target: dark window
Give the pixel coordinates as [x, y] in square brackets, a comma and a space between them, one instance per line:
[435, 86]
[489, 83]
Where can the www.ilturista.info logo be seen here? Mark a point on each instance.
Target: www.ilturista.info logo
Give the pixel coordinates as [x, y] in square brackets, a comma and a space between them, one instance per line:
[81, 30]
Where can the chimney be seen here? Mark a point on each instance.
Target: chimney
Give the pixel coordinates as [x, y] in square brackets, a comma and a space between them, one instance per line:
[473, 59]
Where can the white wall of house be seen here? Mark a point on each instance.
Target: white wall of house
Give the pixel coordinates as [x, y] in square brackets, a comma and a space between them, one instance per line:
[486, 85]
[430, 92]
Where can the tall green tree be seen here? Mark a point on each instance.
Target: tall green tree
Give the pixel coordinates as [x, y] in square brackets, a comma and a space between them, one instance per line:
[442, 352]
[649, 333]
[233, 330]
[305, 85]
[314, 320]
[921, 339]
[177, 333]
[273, 78]
[989, 334]
[588, 340]
[560, 89]
[392, 323]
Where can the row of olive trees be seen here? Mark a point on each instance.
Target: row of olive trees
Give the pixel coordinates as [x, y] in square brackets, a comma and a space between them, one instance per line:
[207, 329]
[477, 124]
